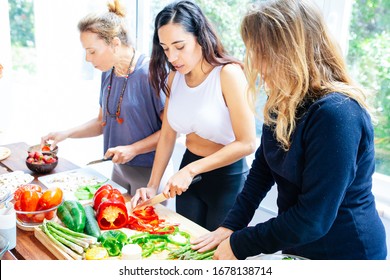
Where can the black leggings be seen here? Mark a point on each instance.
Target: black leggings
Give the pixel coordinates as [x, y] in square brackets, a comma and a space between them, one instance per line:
[208, 201]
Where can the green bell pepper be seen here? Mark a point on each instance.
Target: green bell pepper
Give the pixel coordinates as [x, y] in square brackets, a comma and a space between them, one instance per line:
[113, 241]
[72, 214]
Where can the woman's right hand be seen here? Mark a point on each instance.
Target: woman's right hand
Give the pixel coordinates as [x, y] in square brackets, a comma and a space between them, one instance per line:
[142, 194]
[55, 137]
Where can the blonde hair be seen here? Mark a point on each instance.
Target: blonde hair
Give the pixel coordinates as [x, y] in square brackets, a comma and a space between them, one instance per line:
[107, 25]
[291, 54]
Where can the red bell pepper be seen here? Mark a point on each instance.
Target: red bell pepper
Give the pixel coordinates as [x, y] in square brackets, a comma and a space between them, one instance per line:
[106, 192]
[111, 214]
[110, 206]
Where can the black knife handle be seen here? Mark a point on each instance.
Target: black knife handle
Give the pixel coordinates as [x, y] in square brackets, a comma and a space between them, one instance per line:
[196, 179]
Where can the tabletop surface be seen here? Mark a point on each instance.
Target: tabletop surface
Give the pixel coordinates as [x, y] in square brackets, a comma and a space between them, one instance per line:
[28, 247]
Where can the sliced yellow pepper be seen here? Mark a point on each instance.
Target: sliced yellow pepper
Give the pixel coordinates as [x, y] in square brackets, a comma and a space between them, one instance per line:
[96, 253]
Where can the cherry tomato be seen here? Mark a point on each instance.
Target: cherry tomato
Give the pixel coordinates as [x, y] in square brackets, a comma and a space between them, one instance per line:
[38, 218]
[22, 188]
[23, 217]
[29, 200]
[50, 198]
[46, 148]
[50, 215]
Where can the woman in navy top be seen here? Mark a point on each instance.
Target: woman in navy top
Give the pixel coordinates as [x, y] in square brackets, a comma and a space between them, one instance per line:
[316, 148]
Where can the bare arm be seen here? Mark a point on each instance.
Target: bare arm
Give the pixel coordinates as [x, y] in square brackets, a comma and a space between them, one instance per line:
[123, 154]
[89, 129]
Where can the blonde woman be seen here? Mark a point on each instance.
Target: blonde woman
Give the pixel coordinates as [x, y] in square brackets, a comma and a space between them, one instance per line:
[130, 110]
[316, 148]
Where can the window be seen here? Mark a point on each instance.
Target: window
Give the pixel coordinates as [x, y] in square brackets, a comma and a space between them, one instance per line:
[44, 60]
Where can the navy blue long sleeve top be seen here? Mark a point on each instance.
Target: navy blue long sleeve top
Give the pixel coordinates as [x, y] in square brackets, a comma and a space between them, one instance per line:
[326, 209]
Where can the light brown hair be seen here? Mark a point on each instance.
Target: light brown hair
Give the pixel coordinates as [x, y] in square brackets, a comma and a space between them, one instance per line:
[107, 25]
[291, 53]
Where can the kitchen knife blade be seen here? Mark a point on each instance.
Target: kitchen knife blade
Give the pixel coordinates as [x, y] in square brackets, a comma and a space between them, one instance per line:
[160, 197]
[98, 161]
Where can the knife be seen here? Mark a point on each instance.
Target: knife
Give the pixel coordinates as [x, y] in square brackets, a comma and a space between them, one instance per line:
[161, 197]
[99, 160]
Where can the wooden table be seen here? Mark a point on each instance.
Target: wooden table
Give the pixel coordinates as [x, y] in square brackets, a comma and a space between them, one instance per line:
[28, 247]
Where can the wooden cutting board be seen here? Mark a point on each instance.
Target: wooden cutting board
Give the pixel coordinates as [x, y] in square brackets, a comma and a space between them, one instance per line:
[50, 245]
[163, 212]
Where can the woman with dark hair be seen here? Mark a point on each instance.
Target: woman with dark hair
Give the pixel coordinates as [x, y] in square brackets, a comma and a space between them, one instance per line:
[205, 90]
[317, 146]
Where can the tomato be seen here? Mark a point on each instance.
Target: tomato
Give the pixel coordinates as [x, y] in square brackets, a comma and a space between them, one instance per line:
[22, 188]
[38, 218]
[107, 192]
[50, 198]
[50, 215]
[46, 148]
[23, 217]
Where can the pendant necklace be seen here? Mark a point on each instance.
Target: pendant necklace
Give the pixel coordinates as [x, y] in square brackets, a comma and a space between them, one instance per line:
[118, 108]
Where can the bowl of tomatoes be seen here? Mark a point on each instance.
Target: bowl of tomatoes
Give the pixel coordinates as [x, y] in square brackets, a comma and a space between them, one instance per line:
[33, 204]
[41, 162]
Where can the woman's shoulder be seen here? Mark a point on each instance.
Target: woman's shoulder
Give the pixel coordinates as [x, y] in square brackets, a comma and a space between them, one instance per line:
[335, 107]
[231, 72]
[231, 69]
[336, 102]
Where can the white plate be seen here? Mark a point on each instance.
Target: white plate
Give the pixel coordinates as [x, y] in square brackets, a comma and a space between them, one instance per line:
[4, 153]
[69, 181]
[9, 182]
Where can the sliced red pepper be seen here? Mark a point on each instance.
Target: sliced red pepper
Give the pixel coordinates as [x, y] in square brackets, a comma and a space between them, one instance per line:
[29, 200]
[111, 214]
[147, 220]
[146, 213]
[27, 187]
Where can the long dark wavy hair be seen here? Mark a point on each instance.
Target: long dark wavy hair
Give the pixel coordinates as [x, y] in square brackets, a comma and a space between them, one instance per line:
[192, 19]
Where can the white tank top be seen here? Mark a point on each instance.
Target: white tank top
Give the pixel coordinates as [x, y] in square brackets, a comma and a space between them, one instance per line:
[200, 109]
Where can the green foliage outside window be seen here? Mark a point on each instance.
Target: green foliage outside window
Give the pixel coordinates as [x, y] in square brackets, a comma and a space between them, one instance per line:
[21, 15]
[369, 61]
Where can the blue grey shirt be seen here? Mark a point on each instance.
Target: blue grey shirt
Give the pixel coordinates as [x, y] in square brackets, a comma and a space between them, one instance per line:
[326, 206]
[140, 110]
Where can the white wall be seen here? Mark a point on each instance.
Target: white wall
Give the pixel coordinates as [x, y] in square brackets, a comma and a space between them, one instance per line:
[337, 14]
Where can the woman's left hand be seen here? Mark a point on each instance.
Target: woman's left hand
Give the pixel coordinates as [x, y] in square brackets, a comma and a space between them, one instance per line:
[224, 251]
[178, 183]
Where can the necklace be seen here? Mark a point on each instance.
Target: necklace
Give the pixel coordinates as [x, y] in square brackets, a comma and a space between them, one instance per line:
[118, 107]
